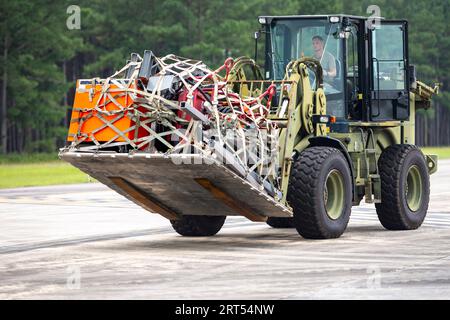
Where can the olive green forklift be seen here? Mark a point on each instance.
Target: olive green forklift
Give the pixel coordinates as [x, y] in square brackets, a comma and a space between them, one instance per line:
[367, 149]
[346, 101]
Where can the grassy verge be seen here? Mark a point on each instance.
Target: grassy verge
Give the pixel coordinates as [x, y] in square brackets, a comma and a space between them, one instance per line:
[16, 158]
[37, 170]
[441, 152]
[45, 169]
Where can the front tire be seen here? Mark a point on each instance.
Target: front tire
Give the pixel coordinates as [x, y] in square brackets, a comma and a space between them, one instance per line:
[198, 226]
[320, 193]
[405, 187]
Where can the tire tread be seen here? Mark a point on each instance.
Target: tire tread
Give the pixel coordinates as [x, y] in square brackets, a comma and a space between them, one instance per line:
[390, 167]
[303, 193]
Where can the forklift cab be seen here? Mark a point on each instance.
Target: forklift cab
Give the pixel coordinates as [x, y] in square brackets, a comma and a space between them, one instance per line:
[365, 65]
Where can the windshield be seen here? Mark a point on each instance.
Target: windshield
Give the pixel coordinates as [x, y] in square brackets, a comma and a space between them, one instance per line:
[292, 39]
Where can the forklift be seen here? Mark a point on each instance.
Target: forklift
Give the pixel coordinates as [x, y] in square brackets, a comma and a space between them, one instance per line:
[345, 103]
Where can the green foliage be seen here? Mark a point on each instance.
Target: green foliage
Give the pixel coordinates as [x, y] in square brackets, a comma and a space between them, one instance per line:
[37, 43]
[45, 58]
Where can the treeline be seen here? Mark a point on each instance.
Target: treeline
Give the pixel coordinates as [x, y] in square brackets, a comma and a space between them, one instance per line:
[43, 52]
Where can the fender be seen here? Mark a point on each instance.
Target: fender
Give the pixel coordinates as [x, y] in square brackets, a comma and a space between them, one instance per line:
[322, 141]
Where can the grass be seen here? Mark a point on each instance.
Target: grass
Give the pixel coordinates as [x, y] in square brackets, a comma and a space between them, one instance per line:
[441, 152]
[20, 158]
[37, 170]
[43, 169]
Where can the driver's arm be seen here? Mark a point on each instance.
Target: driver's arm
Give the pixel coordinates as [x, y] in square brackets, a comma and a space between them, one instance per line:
[331, 72]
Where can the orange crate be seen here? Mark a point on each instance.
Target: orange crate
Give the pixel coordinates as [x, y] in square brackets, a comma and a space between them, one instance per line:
[86, 98]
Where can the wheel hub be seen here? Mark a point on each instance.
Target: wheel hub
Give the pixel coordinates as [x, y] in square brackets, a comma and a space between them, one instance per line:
[413, 188]
[333, 194]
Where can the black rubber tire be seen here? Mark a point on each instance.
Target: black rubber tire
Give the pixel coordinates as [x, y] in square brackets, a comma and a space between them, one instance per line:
[280, 223]
[198, 226]
[393, 165]
[306, 193]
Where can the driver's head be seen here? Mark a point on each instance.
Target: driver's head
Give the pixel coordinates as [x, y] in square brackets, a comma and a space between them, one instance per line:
[317, 42]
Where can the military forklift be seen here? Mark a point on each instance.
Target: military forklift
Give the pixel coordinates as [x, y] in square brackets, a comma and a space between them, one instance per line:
[368, 149]
[343, 98]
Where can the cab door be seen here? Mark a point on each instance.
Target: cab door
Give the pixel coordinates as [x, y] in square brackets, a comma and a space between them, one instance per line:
[389, 83]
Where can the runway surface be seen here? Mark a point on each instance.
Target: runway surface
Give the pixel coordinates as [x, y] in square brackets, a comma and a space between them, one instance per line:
[87, 242]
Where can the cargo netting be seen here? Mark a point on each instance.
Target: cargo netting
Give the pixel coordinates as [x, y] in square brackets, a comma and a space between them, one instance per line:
[174, 105]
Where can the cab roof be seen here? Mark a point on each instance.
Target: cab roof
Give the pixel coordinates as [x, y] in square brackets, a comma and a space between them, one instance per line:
[324, 16]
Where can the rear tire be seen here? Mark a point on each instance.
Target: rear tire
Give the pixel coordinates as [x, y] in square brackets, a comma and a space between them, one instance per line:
[405, 187]
[320, 193]
[280, 223]
[198, 226]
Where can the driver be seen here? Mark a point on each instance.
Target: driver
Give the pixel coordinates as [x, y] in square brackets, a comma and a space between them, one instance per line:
[326, 59]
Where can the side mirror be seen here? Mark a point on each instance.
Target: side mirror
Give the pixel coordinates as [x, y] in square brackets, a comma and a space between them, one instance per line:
[256, 36]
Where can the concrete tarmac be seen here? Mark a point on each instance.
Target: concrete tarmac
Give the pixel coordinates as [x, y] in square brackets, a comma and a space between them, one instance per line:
[87, 242]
